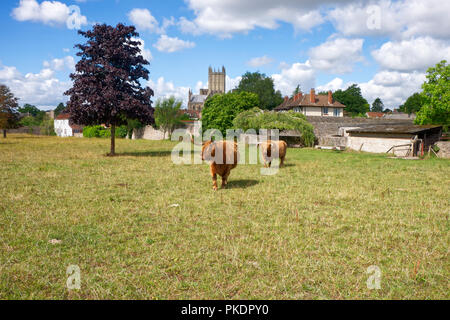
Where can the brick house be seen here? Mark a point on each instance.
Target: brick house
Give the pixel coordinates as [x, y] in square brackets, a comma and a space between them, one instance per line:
[313, 105]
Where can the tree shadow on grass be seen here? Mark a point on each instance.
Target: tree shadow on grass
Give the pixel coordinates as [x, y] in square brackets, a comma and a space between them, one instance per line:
[241, 184]
[153, 153]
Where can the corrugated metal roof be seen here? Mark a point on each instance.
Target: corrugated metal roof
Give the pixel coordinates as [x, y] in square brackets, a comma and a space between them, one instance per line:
[405, 129]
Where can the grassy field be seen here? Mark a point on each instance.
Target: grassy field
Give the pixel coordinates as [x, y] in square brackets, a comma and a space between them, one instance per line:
[309, 232]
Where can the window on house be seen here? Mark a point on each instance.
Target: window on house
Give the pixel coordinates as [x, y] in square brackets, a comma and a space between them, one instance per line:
[325, 111]
[337, 112]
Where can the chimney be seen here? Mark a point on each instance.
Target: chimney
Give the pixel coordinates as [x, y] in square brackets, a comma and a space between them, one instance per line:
[330, 97]
[313, 96]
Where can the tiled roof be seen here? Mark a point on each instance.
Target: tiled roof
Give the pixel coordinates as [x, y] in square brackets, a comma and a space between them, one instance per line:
[305, 101]
[375, 114]
[63, 116]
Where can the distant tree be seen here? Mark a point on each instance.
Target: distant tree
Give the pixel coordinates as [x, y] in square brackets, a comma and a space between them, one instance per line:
[436, 96]
[167, 115]
[220, 110]
[59, 109]
[106, 87]
[296, 91]
[47, 126]
[29, 109]
[9, 117]
[263, 86]
[353, 100]
[413, 104]
[377, 105]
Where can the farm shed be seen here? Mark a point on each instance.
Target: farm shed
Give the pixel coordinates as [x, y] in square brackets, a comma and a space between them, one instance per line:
[402, 140]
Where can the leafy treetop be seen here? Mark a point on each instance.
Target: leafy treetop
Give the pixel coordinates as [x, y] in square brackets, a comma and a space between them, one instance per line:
[263, 86]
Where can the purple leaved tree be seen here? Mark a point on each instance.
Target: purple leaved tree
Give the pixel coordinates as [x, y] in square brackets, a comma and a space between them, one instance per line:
[106, 87]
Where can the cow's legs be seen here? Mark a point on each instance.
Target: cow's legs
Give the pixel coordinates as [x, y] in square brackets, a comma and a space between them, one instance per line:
[214, 178]
[225, 178]
[282, 162]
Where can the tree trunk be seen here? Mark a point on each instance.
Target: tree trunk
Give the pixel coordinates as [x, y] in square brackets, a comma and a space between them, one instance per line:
[4, 133]
[113, 140]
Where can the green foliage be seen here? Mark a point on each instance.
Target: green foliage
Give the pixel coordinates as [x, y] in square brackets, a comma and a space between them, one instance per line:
[258, 119]
[29, 121]
[121, 132]
[220, 110]
[48, 126]
[353, 100]
[131, 125]
[296, 91]
[30, 109]
[167, 114]
[102, 132]
[377, 105]
[59, 109]
[413, 104]
[436, 96]
[263, 86]
[9, 117]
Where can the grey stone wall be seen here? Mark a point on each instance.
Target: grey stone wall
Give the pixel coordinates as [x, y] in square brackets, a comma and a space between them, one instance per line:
[329, 126]
[444, 149]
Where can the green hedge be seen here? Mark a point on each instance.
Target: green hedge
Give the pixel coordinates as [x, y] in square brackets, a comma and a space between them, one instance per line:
[258, 119]
[101, 132]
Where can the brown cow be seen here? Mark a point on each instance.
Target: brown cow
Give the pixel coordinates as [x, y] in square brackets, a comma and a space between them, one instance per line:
[267, 148]
[226, 163]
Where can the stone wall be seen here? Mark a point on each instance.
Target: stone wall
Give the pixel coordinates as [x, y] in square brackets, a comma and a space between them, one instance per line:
[444, 149]
[150, 133]
[329, 126]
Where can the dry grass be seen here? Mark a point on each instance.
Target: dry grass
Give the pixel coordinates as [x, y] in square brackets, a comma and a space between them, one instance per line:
[309, 232]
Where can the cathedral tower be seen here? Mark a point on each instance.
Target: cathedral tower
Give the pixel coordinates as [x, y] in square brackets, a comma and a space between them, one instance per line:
[216, 80]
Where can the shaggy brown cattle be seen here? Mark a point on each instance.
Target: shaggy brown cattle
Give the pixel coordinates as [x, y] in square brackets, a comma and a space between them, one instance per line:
[222, 162]
[268, 147]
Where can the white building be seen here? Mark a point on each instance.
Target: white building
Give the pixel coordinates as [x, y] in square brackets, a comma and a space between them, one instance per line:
[64, 129]
[313, 105]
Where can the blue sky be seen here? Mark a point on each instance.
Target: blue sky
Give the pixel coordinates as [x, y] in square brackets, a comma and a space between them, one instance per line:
[384, 46]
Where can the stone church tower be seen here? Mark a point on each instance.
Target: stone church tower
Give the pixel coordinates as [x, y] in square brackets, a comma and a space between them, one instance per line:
[216, 85]
[216, 80]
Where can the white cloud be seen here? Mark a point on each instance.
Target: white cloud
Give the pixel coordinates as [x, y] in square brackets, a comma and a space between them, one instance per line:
[399, 19]
[296, 74]
[392, 87]
[49, 12]
[333, 85]
[225, 17]
[337, 56]
[232, 83]
[40, 89]
[146, 53]
[259, 61]
[60, 64]
[168, 44]
[414, 54]
[165, 89]
[144, 20]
